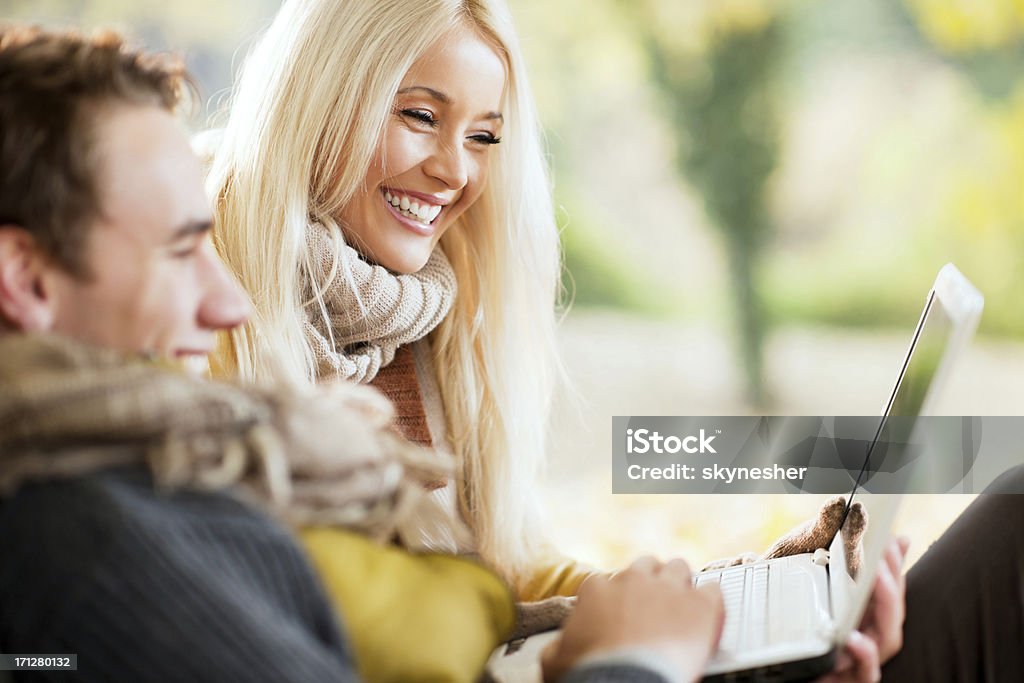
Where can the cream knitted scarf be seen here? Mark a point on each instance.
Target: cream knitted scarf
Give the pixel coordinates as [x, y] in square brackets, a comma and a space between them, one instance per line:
[370, 311]
[327, 458]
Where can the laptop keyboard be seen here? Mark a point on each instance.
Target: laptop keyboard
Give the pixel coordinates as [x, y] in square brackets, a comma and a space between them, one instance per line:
[751, 621]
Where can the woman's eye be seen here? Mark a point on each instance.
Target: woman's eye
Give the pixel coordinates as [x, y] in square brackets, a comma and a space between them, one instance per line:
[420, 115]
[485, 138]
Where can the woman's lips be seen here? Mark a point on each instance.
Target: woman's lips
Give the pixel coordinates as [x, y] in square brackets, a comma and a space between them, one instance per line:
[431, 199]
[423, 229]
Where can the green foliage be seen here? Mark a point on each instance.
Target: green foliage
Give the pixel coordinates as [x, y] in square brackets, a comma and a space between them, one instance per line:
[935, 180]
[985, 39]
[724, 112]
[723, 108]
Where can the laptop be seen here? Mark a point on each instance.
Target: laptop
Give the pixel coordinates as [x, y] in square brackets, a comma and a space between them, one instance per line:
[787, 619]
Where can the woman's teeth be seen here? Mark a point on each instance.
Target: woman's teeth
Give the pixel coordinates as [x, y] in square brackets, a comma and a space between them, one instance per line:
[424, 213]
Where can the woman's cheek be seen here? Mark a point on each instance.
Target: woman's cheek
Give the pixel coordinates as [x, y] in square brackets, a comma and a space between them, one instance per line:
[404, 150]
[477, 181]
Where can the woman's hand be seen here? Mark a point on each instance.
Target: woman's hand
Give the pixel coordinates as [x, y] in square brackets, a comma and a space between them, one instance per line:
[812, 534]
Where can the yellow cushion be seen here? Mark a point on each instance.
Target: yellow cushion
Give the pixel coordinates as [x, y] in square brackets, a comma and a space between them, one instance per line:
[411, 617]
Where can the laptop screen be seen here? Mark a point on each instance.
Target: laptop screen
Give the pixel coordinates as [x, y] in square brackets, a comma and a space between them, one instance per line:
[909, 394]
[950, 315]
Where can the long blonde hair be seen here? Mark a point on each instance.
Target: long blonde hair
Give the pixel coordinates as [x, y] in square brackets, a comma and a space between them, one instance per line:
[305, 120]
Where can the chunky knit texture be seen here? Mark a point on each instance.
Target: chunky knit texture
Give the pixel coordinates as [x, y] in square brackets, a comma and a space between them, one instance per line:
[325, 458]
[813, 534]
[368, 310]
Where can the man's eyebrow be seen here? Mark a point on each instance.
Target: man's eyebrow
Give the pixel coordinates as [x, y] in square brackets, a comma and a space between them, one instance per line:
[191, 228]
[444, 99]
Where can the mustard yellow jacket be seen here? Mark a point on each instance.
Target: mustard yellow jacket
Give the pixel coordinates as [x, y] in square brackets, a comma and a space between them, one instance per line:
[427, 617]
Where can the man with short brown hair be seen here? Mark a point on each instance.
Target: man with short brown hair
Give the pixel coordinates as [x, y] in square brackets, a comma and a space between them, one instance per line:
[57, 88]
[121, 540]
[103, 219]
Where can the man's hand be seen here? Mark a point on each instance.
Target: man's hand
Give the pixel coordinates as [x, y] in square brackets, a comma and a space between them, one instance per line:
[652, 606]
[857, 663]
[883, 619]
[880, 635]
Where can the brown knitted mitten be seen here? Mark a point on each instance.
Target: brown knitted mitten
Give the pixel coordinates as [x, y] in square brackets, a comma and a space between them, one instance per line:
[813, 534]
[537, 617]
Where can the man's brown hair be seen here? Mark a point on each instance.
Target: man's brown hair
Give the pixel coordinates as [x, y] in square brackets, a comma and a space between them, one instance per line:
[53, 87]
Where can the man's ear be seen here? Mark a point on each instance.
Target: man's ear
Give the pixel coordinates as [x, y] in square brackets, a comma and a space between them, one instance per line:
[25, 303]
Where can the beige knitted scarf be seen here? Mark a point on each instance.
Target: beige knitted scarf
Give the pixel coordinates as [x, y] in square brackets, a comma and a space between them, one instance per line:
[368, 311]
[328, 458]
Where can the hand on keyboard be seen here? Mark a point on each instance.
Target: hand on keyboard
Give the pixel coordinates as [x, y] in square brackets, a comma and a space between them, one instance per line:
[651, 607]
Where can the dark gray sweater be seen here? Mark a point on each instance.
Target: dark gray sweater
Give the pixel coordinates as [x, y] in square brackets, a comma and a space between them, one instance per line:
[183, 586]
[147, 587]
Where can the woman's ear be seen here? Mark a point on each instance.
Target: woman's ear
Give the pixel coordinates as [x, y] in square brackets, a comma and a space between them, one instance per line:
[24, 301]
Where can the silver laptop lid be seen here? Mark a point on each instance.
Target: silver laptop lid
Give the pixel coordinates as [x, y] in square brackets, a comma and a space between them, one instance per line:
[950, 317]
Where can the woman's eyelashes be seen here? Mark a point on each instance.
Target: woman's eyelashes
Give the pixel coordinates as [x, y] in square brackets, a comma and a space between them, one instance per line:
[485, 138]
[427, 118]
[420, 115]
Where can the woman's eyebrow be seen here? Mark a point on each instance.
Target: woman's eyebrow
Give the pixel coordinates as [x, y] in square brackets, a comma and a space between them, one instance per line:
[436, 94]
[444, 99]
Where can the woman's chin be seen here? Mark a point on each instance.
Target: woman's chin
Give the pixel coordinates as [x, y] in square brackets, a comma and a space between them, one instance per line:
[406, 262]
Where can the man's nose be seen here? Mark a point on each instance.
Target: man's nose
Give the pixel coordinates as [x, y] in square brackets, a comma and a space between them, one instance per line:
[225, 304]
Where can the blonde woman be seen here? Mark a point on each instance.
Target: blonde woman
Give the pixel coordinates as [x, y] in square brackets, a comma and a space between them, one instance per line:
[342, 110]
[348, 113]
[381, 192]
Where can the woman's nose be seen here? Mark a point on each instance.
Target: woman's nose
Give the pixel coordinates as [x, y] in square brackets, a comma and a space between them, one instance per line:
[449, 165]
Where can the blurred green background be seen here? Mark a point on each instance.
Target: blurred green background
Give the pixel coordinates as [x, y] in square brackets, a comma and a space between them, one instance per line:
[755, 197]
[830, 156]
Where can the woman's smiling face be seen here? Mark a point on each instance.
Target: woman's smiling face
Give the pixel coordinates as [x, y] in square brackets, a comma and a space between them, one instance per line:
[432, 162]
